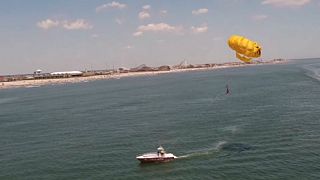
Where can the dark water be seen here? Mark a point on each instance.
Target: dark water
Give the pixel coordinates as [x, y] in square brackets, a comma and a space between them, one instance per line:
[268, 128]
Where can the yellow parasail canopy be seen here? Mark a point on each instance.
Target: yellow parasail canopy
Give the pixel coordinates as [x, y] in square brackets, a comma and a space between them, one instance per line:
[245, 48]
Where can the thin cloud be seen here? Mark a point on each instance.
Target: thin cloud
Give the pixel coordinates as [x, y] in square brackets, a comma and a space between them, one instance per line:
[144, 15]
[77, 25]
[259, 17]
[94, 35]
[146, 7]
[138, 33]
[200, 11]
[201, 29]
[129, 47]
[218, 38]
[119, 21]
[160, 41]
[113, 4]
[48, 24]
[285, 3]
[161, 27]
[163, 13]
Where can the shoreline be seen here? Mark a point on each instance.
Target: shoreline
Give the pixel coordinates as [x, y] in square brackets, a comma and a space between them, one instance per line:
[59, 81]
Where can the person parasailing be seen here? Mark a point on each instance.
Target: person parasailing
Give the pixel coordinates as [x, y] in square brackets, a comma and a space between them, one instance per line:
[227, 90]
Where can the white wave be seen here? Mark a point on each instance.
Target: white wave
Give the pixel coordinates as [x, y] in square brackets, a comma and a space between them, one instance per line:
[232, 129]
[6, 100]
[220, 144]
[313, 70]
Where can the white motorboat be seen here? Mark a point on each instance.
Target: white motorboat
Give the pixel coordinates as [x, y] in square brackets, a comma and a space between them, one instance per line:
[159, 156]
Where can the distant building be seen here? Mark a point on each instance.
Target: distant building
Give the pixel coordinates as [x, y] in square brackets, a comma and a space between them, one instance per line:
[123, 70]
[184, 64]
[142, 68]
[164, 68]
[66, 74]
[38, 71]
[28, 77]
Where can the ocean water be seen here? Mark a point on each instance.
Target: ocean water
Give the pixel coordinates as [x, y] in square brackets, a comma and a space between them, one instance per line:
[267, 128]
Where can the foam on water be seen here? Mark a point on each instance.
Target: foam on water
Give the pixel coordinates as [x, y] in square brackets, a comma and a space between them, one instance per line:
[313, 70]
[6, 100]
[233, 129]
[217, 147]
[206, 151]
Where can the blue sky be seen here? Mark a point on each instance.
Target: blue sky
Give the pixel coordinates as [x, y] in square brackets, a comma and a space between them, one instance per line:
[83, 34]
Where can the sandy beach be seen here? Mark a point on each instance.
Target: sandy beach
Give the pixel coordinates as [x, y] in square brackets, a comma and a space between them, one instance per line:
[42, 82]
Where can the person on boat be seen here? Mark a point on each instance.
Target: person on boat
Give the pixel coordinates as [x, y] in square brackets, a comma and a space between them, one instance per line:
[227, 90]
[160, 151]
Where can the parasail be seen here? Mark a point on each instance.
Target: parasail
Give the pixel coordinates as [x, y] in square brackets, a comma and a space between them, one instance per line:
[245, 48]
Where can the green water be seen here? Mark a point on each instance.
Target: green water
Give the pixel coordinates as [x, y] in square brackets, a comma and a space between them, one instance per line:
[268, 128]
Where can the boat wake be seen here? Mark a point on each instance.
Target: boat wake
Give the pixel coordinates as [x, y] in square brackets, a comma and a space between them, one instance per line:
[204, 152]
[233, 129]
[7, 100]
[313, 70]
[229, 148]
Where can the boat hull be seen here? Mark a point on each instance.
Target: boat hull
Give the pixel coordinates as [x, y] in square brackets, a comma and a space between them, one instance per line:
[155, 160]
